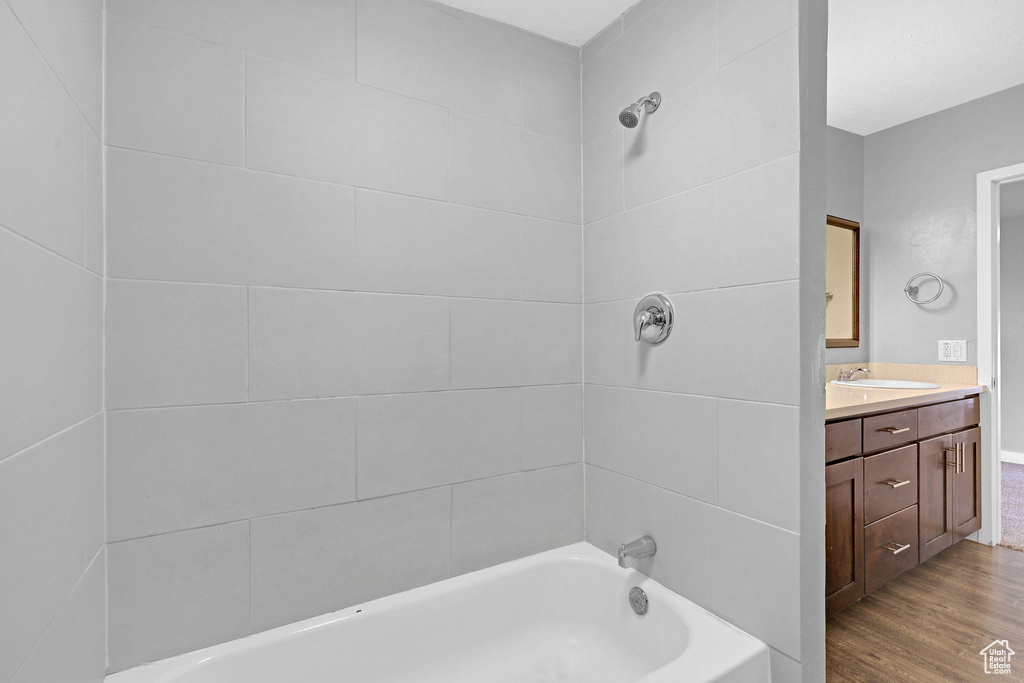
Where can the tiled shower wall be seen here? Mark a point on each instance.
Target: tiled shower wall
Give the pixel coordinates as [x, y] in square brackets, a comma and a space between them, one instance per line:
[697, 441]
[52, 595]
[344, 309]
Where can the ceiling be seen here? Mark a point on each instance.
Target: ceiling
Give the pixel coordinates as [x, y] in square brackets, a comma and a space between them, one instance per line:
[894, 61]
[569, 21]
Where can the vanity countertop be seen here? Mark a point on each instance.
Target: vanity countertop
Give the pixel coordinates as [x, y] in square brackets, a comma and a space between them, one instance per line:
[843, 401]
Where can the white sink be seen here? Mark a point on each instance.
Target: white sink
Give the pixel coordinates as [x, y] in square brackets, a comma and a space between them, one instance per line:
[885, 384]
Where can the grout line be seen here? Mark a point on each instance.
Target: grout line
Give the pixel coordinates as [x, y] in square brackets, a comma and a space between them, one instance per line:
[183, 406]
[46, 61]
[395, 494]
[334, 183]
[64, 604]
[52, 436]
[364, 292]
[248, 343]
[249, 526]
[696, 500]
[51, 251]
[691, 395]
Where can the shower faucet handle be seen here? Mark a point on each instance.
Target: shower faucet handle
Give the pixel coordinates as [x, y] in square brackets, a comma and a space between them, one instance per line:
[652, 318]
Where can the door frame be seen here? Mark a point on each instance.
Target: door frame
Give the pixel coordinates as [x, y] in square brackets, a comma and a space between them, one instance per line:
[989, 183]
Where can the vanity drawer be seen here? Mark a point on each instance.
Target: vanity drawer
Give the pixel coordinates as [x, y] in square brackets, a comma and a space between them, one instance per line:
[890, 430]
[890, 547]
[948, 417]
[890, 483]
[842, 439]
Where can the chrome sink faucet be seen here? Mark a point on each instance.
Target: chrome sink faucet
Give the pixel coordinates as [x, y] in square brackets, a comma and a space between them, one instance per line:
[848, 375]
[636, 550]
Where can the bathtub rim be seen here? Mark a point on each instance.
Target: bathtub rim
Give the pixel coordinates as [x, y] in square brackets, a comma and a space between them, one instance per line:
[743, 651]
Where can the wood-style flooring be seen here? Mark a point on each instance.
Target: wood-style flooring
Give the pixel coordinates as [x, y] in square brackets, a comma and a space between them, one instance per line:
[930, 623]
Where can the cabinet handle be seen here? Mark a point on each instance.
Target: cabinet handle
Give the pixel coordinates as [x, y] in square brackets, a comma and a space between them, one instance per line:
[896, 483]
[895, 548]
[960, 457]
[956, 460]
[895, 430]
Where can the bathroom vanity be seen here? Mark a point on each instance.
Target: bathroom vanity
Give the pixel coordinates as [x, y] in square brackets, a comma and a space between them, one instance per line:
[902, 482]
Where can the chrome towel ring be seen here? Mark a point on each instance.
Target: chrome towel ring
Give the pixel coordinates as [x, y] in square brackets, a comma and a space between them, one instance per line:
[911, 290]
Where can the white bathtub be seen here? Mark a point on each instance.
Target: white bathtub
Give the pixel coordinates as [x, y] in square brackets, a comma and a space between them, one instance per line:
[560, 616]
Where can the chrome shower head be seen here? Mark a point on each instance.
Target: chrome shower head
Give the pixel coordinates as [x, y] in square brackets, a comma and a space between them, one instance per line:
[630, 116]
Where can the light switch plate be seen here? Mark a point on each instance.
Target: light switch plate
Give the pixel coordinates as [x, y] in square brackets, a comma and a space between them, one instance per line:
[953, 350]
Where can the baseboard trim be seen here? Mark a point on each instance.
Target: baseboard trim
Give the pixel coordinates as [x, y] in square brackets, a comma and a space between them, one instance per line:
[1012, 456]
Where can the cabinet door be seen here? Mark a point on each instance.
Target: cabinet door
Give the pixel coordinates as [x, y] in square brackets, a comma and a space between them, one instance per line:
[844, 534]
[967, 485]
[936, 464]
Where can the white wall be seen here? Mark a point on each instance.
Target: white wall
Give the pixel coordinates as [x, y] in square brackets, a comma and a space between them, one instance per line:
[344, 304]
[706, 442]
[919, 213]
[845, 199]
[52, 593]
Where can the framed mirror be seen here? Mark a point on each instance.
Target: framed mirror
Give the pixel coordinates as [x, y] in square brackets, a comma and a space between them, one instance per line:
[842, 283]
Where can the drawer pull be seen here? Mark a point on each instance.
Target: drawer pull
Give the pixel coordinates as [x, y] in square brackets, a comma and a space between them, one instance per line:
[896, 483]
[895, 430]
[895, 548]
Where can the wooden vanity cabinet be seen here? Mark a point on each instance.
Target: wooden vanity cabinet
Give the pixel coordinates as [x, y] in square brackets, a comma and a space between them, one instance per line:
[936, 462]
[966, 493]
[900, 487]
[844, 534]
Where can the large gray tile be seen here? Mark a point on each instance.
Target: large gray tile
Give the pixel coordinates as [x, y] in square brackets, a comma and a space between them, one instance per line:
[603, 176]
[730, 366]
[742, 570]
[417, 441]
[175, 219]
[51, 349]
[504, 518]
[495, 166]
[74, 646]
[70, 37]
[552, 426]
[744, 115]
[411, 49]
[669, 49]
[42, 185]
[171, 344]
[745, 24]
[93, 202]
[173, 94]
[170, 469]
[759, 463]
[309, 125]
[669, 440]
[420, 246]
[510, 343]
[666, 246]
[604, 342]
[312, 562]
[552, 261]
[51, 528]
[759, 224]
[315, 34]
[551, 95]
[176, 593]
[306, 344]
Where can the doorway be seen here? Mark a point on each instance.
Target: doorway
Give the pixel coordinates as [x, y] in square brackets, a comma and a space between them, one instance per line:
[990, 362]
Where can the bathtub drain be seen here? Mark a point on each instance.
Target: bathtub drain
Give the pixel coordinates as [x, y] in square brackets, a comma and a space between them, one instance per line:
[638, 600]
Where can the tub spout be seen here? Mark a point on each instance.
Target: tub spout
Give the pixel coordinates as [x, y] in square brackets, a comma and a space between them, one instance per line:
[636, 550]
